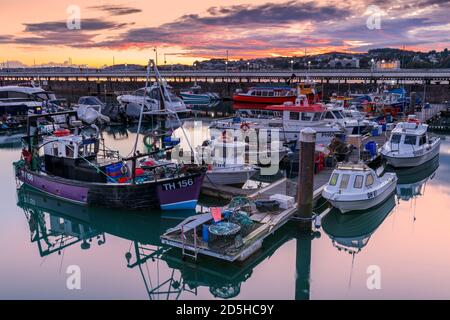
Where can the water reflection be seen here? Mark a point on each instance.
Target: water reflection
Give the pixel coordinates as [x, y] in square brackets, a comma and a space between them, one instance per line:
[56, 225]
[351, 232]
[412, 181]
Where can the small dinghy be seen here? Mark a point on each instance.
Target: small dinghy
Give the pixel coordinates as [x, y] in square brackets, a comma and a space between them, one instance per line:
[357, 187]
[410, 145]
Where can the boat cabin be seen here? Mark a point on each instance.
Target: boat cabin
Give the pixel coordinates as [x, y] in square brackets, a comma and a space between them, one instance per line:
[271, 91]
[409, 135]
[352, 178]
[71, 156]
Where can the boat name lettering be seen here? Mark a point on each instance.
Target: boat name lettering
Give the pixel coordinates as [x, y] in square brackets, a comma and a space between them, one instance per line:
[178, 185]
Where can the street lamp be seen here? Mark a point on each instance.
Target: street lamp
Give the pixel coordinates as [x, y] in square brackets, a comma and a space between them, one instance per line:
[226, 66]
[309, 66]
[292, 65]
[248, 66]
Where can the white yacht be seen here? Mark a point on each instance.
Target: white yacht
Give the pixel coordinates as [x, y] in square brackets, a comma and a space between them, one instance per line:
[289, 119]
[23, 101]
[354, 187]
[132, 102]
[410, 145]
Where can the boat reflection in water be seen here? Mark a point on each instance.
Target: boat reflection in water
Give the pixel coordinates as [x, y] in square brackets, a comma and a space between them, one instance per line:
[351, 232]
[412, 181]
[56, 225]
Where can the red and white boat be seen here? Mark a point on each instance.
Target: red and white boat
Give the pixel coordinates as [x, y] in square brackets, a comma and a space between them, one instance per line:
[267, 95]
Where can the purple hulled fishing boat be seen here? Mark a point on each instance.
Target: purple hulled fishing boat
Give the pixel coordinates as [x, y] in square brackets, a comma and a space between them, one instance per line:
[74, 166]
[72, 163]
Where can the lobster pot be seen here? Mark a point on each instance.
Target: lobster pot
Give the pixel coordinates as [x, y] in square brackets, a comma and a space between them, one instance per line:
[223, 232]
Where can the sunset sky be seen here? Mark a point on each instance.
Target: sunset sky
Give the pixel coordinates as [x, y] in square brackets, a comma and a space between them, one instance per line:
[36, 31]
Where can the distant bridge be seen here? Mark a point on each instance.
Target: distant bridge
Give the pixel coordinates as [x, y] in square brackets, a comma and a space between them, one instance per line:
[420, 76]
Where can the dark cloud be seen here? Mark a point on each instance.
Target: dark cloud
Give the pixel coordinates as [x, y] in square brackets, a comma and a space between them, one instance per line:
[5, 39]
[116, 10]
[61, 26]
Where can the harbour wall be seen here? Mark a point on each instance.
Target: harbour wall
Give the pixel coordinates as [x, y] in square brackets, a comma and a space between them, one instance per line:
[435, 93]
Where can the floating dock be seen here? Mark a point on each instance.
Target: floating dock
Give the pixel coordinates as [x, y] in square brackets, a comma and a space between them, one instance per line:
[188, 235]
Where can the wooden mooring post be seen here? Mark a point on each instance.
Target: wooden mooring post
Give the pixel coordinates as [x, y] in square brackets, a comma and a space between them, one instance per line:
[305, 186]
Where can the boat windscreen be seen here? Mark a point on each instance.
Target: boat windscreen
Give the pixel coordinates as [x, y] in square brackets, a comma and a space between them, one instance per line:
[396, 138]
[410, 139]
[338, 114]
[334, 178]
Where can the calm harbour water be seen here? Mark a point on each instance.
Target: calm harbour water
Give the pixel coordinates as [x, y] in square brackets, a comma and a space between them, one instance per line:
[120, 257]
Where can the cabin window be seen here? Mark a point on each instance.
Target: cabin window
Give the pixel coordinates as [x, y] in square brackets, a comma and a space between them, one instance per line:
[396, 138]
[329, 115]
[334, 179]
[258, 93]
[337, 114]
[369, 180]
[69, 152]
[17, 95]
[4, 95]
[294, 116]
[316, 116]
[55, 149]
[423, 140]
[253, 93]
[411, 140]
[80, 151]
[344, 181]
[358, 182]
[307, 116]
[271, 94]
[264, 93]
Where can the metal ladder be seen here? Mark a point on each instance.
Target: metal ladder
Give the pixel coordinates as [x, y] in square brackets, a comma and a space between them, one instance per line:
[185, 251]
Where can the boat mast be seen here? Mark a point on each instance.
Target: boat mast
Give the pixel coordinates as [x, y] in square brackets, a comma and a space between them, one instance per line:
[142, 106]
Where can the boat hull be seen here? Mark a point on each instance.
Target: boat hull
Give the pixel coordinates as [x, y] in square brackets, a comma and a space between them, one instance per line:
[364, 204]
[263, 100]
[166, 194]
[229, 177]
[407, 162]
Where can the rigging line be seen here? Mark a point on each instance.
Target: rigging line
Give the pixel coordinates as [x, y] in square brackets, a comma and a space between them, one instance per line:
[142, 107]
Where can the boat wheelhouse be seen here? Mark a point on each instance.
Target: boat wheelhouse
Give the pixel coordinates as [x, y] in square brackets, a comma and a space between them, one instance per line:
[354, 187]
[410, 145]
[267, 95]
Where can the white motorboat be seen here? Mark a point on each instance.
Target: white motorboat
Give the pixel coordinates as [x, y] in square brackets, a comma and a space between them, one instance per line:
[410, 145]
[287, 120]
[132, 103]
[195, 95]
[357, 187]
[89, 110]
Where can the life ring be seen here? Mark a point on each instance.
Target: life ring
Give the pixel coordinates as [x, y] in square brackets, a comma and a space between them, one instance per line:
[245, 126]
